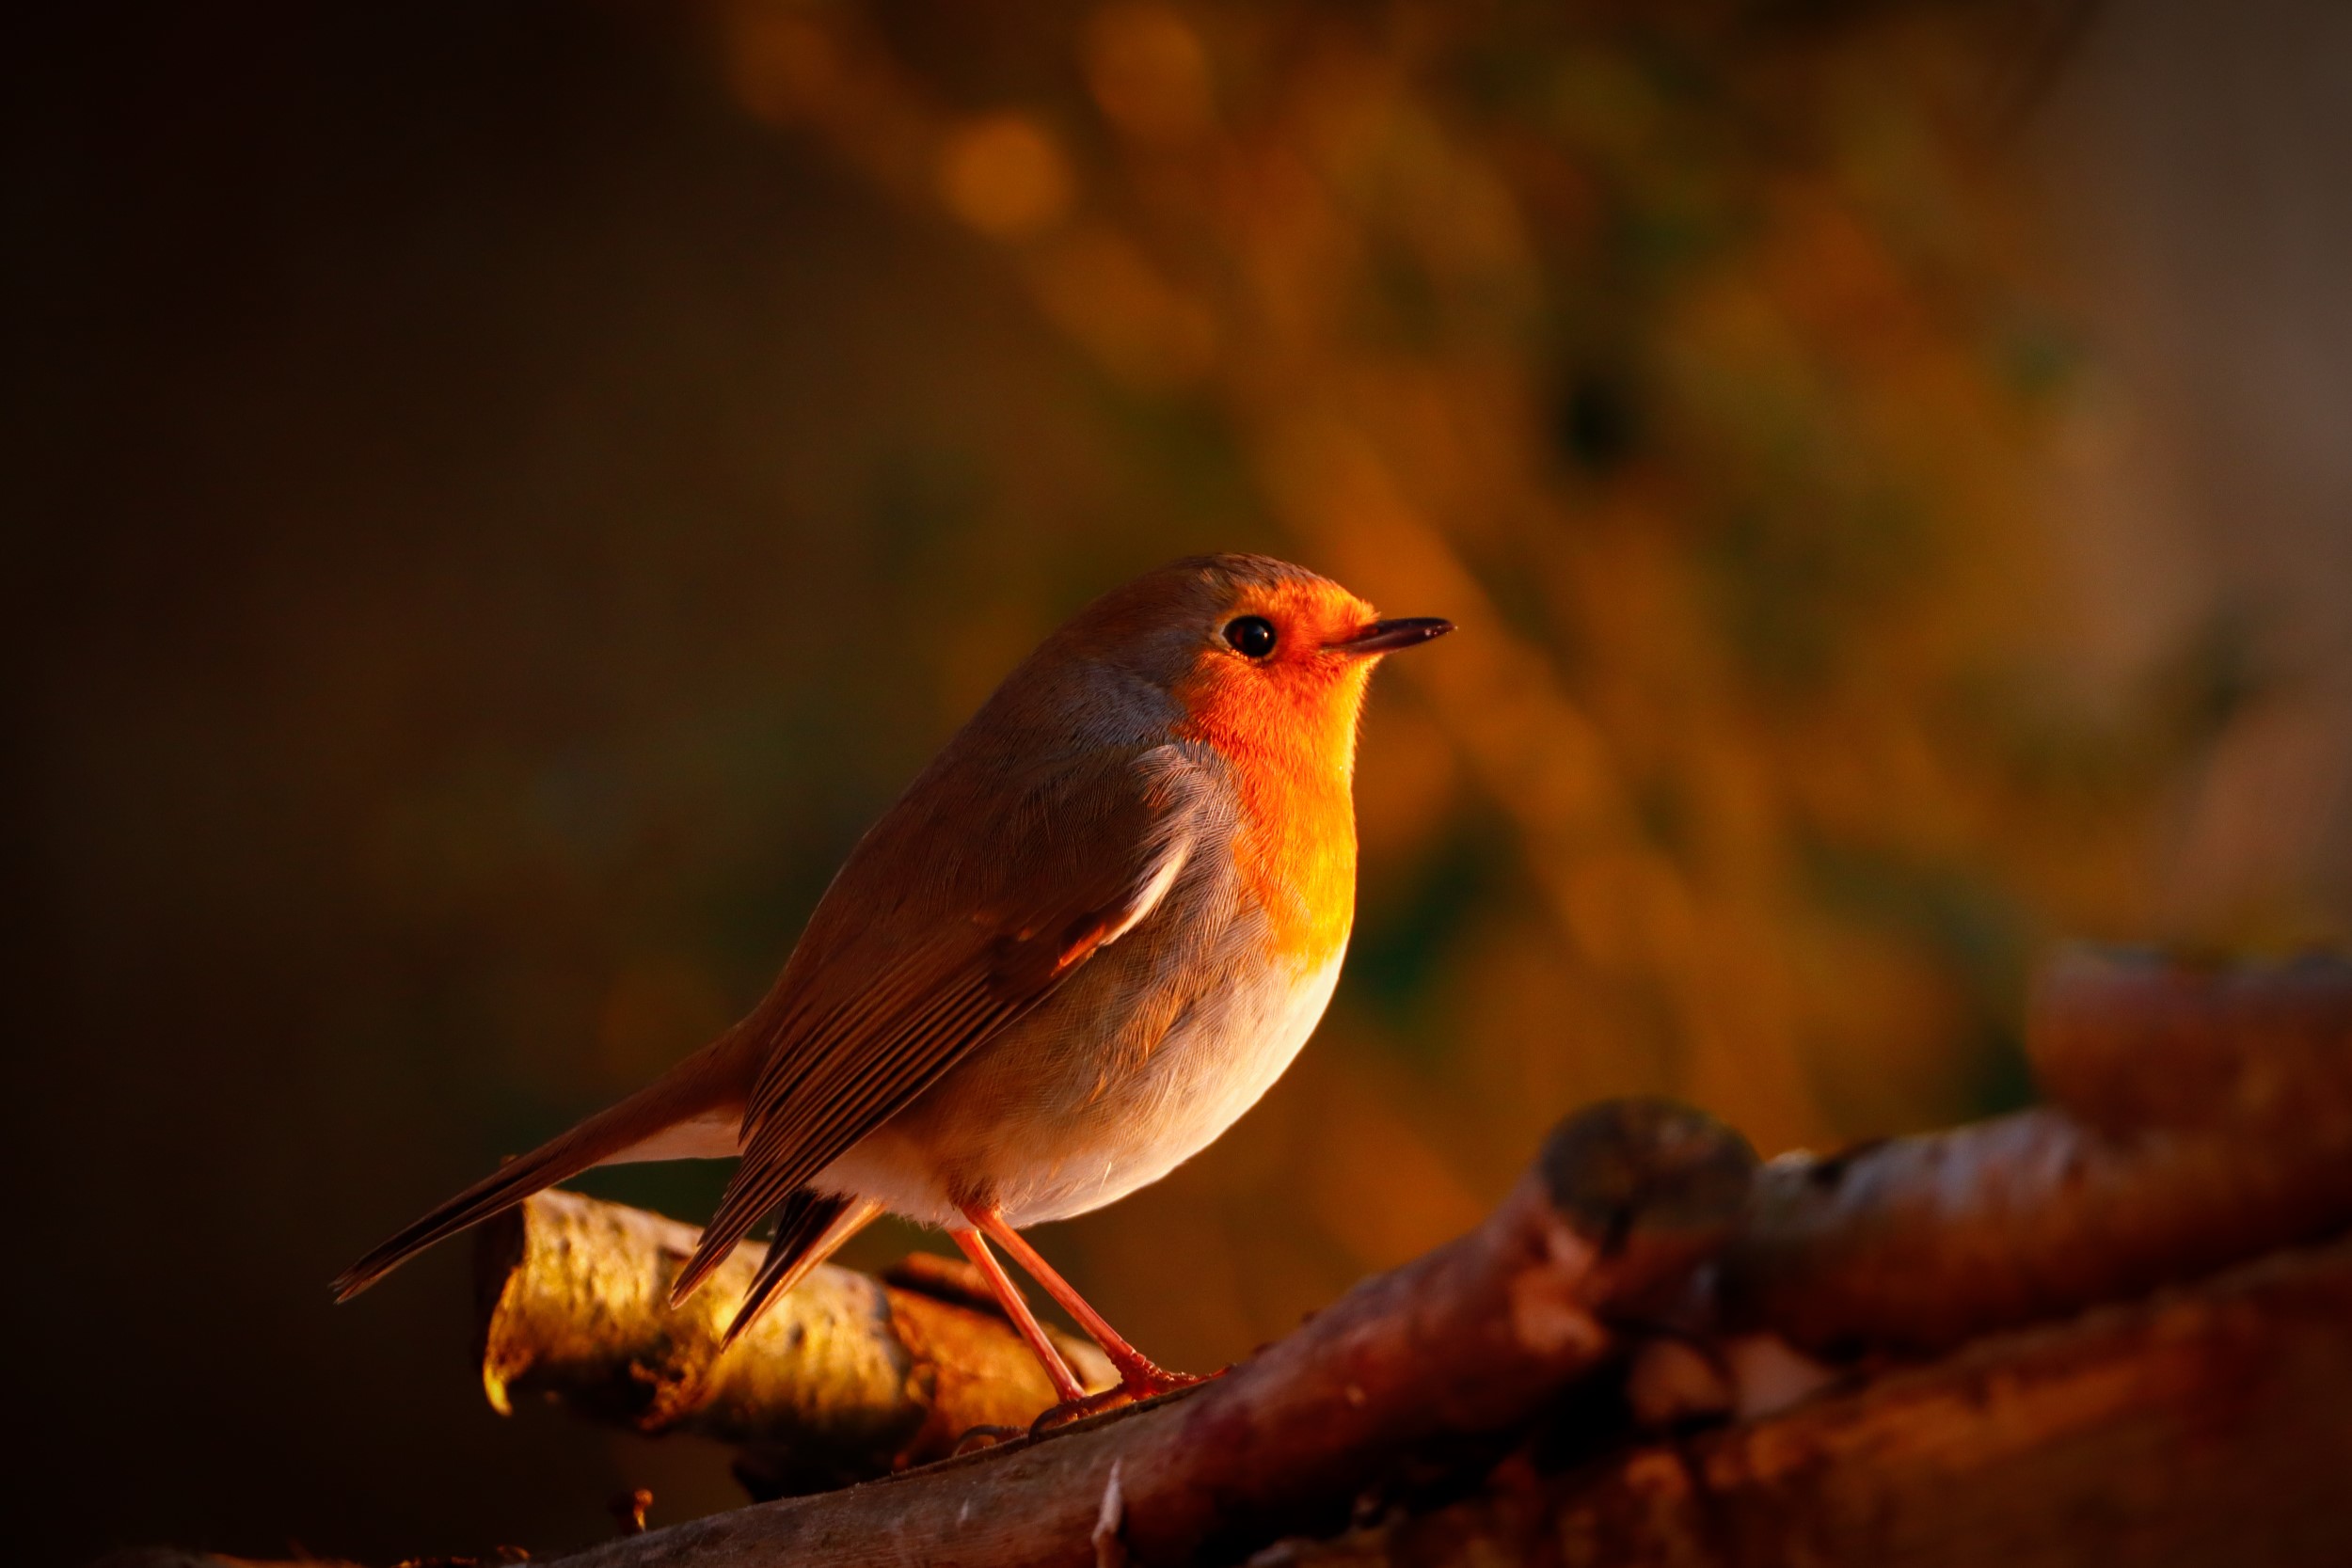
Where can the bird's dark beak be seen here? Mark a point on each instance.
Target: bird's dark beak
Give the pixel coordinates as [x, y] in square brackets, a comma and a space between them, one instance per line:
[1386, 637]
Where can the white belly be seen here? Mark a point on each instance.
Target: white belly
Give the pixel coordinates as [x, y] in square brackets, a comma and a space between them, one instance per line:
[1091, 1139]
[711, 1135]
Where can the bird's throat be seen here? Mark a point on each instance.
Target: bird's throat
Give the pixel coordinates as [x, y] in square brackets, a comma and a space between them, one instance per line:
[1293, 760]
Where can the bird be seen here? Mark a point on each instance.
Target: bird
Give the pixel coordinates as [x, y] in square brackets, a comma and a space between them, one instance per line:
[1089, 935]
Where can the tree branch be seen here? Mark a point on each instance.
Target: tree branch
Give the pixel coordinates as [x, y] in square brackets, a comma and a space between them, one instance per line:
[2127, 1043]
[2222, 1107]
[847, 1376]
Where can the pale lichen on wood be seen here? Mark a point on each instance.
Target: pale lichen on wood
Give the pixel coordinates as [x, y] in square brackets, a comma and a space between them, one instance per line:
[847, 1375]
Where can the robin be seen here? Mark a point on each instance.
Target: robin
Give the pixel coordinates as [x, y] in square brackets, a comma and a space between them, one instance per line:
[1086, 940]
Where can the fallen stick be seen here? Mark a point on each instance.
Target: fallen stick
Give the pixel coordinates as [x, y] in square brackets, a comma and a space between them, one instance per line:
[1919, 1243]
[2129, 1043]
[846, 1377]
[1464, 1344]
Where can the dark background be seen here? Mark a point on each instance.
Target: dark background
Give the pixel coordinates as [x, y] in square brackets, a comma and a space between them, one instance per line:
[502, 495]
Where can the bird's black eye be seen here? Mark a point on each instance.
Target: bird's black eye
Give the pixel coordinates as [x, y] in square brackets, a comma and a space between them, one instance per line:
[1252, 636]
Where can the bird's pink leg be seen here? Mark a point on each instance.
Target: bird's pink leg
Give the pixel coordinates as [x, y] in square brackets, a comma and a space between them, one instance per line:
[1066, 1387]
[1139, 1378]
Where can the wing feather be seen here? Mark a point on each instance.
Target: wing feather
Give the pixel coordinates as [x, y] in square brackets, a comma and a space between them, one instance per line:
[885, 995]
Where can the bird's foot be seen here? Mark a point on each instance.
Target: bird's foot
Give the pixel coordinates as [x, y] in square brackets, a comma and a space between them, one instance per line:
[1138, 1383]
[1144, 1381]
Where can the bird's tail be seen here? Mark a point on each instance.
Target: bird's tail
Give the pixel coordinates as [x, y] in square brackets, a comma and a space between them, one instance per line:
[712, 1081]
[810, 1227]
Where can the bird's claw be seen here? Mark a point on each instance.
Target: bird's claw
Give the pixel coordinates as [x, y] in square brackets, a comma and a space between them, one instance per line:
[1139, 1384]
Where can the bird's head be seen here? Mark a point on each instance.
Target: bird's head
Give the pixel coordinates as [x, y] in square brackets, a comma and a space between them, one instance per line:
[1260, 657]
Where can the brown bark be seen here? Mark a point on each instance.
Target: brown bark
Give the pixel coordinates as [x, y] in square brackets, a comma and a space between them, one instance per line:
[1920, 1243]
[2129, 1043]
[2202, 1426]
[847, 1376]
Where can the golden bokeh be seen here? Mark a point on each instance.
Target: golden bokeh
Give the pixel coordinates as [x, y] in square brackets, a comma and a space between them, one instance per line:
[1004, 176]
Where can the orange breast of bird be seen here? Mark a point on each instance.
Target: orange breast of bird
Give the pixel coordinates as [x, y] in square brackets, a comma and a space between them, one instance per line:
[1291, 746]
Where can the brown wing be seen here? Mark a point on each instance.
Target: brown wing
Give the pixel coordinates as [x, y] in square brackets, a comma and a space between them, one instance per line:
[938, 933]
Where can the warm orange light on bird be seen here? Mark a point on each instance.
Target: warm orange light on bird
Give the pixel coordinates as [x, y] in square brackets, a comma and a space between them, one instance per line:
[1086, 939]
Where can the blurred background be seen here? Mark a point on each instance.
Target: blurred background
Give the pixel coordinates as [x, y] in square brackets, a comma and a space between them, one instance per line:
[503, 494]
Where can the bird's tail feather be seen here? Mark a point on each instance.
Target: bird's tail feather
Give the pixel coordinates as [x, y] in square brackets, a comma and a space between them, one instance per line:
[709, 1081]
[810, 1227]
